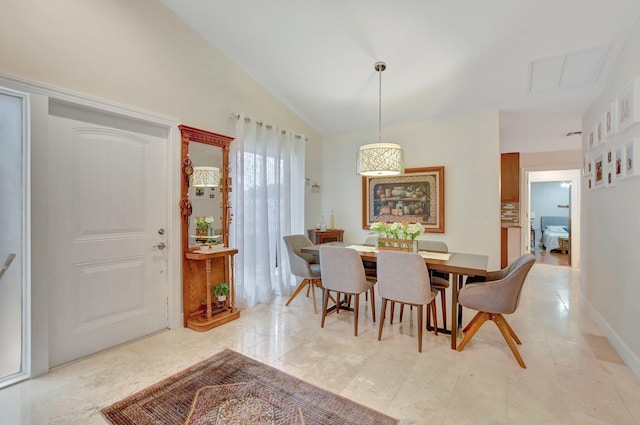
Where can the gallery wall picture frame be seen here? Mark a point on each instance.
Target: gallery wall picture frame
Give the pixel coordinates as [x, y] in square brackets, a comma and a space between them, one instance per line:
[609, 120]
[587, 166]
[618, 163]
[599, 130]
[590, 140]
[631, 158]
[417, 196]
[627, 107]
[598, 171]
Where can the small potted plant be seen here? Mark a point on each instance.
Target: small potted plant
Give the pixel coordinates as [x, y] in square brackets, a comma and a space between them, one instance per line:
[221, 290]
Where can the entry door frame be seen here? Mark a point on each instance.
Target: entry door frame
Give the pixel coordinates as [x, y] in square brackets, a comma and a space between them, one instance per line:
[37, 129]
[544, 174]
[25, 254]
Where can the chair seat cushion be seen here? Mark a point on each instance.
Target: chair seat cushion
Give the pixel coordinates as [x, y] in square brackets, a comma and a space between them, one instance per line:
[439, 282]
[315, 268]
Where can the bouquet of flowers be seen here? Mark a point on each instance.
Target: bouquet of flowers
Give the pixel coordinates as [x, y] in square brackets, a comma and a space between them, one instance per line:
[204, 222]
[397, 230]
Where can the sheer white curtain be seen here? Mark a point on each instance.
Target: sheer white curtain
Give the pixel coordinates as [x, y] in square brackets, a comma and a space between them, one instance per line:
[267, 203]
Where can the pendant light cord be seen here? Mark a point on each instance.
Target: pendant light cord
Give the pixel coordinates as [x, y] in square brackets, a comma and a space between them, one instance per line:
[380, 104]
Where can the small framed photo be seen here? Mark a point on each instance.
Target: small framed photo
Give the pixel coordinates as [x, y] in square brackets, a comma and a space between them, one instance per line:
[599, 171]
[609, 120]
[590, 140]
[199, 191]
[627, 109]
[586, 166]
[618, 162]
[631, 154]
[599, 132]
[590, 182]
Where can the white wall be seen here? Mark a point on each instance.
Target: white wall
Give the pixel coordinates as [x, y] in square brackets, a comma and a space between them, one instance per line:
[469, 149]
[611, 228]
[141, 54]
[135, 53]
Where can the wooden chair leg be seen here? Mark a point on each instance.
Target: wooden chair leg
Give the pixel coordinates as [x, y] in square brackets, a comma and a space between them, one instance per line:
[481, 318]
[471, 322]
[435, 317]
[393, 307]
[325, 302]
[511, 332]
[420, 313]
[308, 289]
[373, 304]
[500, 321]
[356, 309]
[443, 304]
[383, 310]
[297, 291]
[401, 312]
[313, 296]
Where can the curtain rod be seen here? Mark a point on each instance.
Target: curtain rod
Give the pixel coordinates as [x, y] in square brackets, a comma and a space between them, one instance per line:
[268, 126]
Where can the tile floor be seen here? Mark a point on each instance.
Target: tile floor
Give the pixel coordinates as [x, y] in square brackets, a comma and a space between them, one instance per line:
[573, 375]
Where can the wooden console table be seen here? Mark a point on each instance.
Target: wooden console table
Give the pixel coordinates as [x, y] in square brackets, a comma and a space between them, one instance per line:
[205, 271]
[318, 236]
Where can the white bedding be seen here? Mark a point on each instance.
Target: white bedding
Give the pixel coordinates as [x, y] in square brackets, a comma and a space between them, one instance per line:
[550, 237]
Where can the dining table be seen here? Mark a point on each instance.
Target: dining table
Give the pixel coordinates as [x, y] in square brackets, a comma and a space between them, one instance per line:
[456, 264]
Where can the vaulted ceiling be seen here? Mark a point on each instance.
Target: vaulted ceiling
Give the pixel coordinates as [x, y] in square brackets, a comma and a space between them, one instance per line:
[540, 62]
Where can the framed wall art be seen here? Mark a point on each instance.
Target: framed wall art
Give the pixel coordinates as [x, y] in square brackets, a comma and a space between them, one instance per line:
[618, 164]
[590, 139]
[609, 120]
[599, 131]
[417, 196]
[598, 171]
[627, 108]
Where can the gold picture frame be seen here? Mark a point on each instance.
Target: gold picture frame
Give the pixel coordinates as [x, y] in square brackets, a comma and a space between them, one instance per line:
[417, 196]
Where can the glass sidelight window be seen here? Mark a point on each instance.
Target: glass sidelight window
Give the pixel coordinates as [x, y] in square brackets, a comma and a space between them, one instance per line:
[14, 246]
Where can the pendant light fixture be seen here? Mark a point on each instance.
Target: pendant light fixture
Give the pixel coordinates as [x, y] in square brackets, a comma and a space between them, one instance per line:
[380, 159]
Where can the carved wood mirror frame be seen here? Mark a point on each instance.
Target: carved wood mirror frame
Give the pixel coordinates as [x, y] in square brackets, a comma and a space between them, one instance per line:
[190, 134]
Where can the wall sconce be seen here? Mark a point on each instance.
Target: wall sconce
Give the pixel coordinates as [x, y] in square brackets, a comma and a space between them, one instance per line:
[315, 187]
[205, 177]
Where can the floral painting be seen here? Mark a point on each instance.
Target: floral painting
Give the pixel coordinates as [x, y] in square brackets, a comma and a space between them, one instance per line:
[417, 196]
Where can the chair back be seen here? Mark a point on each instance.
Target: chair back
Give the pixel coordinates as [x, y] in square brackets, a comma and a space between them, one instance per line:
[342, 270]
[371, 241]
[499, 296]
[403, 277]
[299, 261]
[433, 246]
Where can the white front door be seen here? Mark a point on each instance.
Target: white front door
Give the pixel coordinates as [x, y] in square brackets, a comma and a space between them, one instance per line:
[107, 198]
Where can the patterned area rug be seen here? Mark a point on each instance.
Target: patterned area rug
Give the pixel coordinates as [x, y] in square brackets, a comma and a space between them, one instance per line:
[229, 389]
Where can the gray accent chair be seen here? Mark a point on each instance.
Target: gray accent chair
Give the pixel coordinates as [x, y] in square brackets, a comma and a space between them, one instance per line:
[499, 295]
[304, 266]
[343, 272]
[404, 278]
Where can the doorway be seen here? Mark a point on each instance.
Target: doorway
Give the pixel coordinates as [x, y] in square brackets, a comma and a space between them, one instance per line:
[553, 213]
[14, 237]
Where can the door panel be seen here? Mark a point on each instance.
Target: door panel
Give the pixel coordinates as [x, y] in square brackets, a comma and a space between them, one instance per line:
[108, 200]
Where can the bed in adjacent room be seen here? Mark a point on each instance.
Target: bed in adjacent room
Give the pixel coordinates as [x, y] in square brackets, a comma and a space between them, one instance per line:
[553, 228]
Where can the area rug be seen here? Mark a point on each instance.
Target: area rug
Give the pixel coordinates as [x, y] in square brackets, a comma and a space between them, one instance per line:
[230, 388]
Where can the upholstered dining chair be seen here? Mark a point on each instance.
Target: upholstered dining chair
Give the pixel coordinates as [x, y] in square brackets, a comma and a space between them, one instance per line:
[403, 277]
[439, 280]
[303, 266]
[343, 272]
[494, 298]
[369, 266]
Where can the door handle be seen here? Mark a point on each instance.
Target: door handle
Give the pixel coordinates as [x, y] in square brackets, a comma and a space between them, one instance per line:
[160, 246]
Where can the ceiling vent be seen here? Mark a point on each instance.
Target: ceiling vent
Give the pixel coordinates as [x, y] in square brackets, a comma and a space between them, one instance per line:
[573, 69]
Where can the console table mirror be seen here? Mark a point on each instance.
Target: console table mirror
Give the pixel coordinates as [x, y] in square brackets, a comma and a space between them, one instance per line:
[207, 258]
